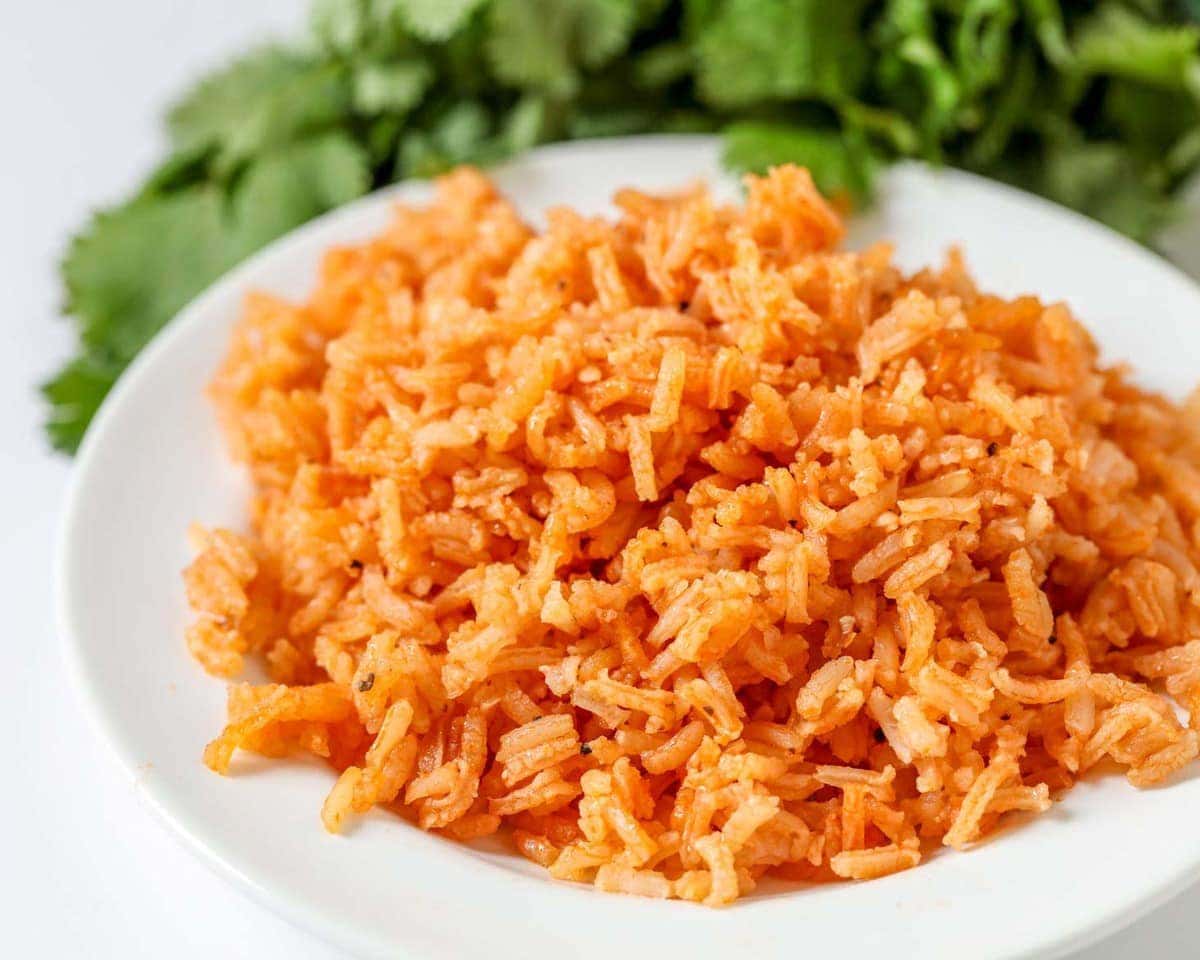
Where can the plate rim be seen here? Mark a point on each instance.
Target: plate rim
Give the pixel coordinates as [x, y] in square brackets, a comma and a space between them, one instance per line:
[322, 922]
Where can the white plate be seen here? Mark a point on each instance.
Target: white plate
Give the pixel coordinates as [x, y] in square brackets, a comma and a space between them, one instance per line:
[152, 462]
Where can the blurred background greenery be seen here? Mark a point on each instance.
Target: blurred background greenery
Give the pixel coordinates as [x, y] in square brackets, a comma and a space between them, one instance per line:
[1094, 105]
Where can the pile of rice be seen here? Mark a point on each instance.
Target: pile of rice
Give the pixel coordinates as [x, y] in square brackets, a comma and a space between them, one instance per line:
[687, 547]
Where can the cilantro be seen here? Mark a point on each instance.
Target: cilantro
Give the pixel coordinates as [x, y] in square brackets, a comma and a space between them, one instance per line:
[126, 275]
[840, 163]
[1106, 180]
[436, 19]
[1046, 20]
[338, 25]
[756, 50]
[982, 42]
[264, 100]
[663, 65]
[136, 266]
[75, 395]
[914, 72]
[284, 188]
[460, 134]
[1096, 105]
[543, 46]
[1134, 112]
[1008, 109]
[1120, 42]
[524, 125]
[394, 87]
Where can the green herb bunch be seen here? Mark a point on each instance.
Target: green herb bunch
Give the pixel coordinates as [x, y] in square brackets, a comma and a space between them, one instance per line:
[1094, 105]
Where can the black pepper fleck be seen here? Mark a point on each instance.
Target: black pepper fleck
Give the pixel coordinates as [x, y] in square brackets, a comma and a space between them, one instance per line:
[709, 710]
[584, 749]
[992, 448]
[1052, 640]
[366, 683]
[1006, 717]
[356, 564]
[879, 737]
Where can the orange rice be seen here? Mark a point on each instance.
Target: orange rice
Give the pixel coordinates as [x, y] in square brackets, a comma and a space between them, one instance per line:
[686, 547]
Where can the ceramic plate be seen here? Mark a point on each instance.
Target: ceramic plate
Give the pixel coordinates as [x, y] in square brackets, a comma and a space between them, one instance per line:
[153, 462]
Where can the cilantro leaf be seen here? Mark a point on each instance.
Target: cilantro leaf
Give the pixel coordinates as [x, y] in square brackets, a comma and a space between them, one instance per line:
[611, 121]
[663, 65]
[134, 267]
[1103, 180]
[460, 134]
[1150, 120]
[462, 130]
[1046, 20]
[1006, 114]
[982, 43]
[391, 87]
[436, 19]
[74, 395]
[755, 50]
[260, 101]
[525, 124]
[1117, 41]
[888, 125]
[540, 46]
[182, 168]
[338, 25]
[127, 273]
[914, 73]
[287, 187]
[838, 164]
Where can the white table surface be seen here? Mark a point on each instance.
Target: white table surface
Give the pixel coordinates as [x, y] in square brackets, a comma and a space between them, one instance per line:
[83, 866]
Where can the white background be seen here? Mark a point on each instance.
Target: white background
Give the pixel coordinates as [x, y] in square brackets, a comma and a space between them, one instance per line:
[83, 867]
